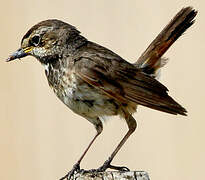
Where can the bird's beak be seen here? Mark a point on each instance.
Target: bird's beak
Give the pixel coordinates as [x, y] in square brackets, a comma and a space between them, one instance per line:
[20, 53]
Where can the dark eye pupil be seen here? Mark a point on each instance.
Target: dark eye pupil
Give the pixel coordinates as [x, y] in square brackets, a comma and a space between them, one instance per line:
[35, 40]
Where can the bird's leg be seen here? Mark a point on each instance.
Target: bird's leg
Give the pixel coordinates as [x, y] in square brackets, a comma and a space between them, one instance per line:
[76, 166]
[131, 122]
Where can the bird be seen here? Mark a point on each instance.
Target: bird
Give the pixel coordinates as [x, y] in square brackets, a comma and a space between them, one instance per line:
[95, 82]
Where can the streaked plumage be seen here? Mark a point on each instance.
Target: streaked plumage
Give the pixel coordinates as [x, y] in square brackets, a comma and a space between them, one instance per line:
[95, 82]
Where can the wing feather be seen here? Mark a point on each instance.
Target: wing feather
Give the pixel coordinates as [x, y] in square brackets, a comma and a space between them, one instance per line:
[125, 83]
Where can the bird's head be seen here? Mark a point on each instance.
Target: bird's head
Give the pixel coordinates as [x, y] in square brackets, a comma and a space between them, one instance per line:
[46, 40]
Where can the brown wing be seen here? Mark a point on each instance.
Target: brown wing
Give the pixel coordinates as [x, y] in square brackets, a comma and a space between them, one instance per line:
[123, 82]
[97, 76]
[145, 92]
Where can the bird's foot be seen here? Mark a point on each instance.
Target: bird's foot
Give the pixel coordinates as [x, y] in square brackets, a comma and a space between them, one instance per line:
[107, 165]
[75, 169]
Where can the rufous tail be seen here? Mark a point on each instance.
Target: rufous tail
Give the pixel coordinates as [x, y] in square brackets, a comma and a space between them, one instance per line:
[151, 59]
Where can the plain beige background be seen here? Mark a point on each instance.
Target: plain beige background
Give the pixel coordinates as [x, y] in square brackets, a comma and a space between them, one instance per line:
[40, 138]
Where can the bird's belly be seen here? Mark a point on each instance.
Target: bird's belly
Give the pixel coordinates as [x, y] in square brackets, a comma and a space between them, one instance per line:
[84, 99]
[88, 103]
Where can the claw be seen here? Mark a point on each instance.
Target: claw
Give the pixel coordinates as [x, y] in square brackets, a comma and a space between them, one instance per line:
[107, 165]
[119, 168]
[74, 170]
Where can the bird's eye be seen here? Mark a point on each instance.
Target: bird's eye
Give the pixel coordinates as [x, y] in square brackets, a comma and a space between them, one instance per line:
[35, 40]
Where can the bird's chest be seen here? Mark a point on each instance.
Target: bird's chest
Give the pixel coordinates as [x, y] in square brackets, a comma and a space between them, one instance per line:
[64, 83]
[79, 96]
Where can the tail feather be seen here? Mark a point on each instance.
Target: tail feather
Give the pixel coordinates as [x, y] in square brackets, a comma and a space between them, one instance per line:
[150, 60]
